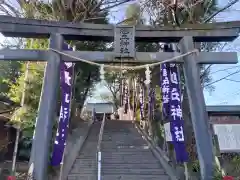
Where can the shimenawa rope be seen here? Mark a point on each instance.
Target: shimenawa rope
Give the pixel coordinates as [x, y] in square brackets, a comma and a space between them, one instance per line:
[127, 67]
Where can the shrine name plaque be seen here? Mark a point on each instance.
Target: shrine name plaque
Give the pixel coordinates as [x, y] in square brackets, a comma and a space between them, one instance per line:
[228, 137]
[124, 41]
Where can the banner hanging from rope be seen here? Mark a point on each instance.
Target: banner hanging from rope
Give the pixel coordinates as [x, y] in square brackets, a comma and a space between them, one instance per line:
[165, 88]
[141, 101]
[176, 119]
[66, 73]
[172, 110]
[126, 96]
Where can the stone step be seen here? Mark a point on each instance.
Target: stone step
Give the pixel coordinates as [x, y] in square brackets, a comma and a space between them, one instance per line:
[127, 132]
[134, 177]
[86, 160]
[81, 177]
[91, 149]
[130, 161]
[85, 165]
[125, 149]
[117, 141]
[88, 152]
[84, 171]
[87, 155]
[124, 146]
[127, 143]
[133, 157]
[127, 153]
[118, 136]
[136, 165]
[132, 171]
[129, 158]
[126, 156]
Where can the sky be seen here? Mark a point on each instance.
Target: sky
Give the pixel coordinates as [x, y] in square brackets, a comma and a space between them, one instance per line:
[227, 92]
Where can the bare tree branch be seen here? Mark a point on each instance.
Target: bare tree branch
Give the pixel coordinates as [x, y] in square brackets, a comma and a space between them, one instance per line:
[115, 5]
[220, 10]
[12, 9]
[97, 6]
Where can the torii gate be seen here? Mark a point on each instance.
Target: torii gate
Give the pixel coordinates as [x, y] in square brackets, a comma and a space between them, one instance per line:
[59, 31]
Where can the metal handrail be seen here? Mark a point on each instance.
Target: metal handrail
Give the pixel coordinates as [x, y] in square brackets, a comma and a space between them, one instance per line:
[99, 154]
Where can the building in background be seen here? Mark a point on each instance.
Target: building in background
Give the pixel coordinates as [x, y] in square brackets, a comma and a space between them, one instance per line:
[106, 108]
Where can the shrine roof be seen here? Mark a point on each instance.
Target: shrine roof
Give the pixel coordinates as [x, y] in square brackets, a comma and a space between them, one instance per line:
[227, 110]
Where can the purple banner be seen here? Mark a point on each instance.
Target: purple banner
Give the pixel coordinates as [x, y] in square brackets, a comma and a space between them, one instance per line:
[141, 101]
[125, 97]
[176, 120]
[66, 73]
[165, 88]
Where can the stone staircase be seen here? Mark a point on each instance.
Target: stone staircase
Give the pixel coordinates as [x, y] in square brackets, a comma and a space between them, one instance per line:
[126, 156]
[85, 165]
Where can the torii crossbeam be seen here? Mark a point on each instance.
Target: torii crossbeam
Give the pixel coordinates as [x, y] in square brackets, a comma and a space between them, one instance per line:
[20, 27]
[60, 31]
[109, 57]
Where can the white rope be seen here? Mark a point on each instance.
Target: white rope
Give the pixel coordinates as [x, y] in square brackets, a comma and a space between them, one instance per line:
[176, 58]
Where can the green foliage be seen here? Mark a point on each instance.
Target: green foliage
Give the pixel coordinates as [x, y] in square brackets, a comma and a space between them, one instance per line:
[234, 163]
[9, 73]
[138, 115]
[26, 115]
[86, 75]
[12, 79]
[25, 144]
[195, 167]
[113, 81]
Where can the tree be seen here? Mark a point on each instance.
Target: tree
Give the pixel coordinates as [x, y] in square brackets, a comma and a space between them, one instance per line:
[113, 83]
[26, 91]
[85, 75]
[92, 12]
[177, 13]
[9, 73]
